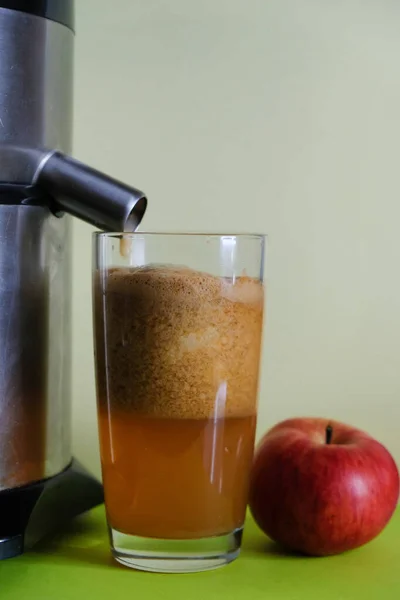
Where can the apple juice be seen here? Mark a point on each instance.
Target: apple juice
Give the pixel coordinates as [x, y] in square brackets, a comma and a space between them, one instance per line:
[177, 359]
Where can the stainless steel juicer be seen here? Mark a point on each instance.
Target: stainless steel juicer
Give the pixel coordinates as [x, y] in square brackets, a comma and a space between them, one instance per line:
[40, 187]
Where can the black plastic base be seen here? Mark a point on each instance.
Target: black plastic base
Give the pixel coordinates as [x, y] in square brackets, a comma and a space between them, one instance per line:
[29, 513]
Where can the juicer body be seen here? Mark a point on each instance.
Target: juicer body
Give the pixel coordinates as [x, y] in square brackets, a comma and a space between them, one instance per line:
[35, 252]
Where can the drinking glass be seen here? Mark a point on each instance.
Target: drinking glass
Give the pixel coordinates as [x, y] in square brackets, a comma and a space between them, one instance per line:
[178, 328]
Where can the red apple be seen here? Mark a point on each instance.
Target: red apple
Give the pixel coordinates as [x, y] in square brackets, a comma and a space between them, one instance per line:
[321, 487]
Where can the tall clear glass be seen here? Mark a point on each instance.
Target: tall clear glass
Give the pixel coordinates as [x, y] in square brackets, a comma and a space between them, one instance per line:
[178, 326]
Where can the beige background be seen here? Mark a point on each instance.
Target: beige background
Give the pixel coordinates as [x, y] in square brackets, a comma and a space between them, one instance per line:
[279, 116]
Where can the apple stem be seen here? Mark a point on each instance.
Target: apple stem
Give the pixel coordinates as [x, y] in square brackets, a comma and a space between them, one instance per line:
[328, 434]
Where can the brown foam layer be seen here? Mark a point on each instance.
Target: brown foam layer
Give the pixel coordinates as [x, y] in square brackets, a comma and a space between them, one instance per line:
[180, 343]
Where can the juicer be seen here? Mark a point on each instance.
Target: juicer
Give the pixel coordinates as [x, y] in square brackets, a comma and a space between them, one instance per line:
[41, 186]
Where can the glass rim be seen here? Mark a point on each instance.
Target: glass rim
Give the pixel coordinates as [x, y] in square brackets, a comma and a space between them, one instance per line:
[109, 234]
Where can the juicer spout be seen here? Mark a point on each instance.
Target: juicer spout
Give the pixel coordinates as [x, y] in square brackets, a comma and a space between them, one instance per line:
[89, 194]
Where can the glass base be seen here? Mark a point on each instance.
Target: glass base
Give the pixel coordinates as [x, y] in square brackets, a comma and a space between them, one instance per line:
[175, 556]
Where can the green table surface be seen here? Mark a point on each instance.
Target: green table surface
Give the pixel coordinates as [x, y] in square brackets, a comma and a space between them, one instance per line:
[77, 564]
